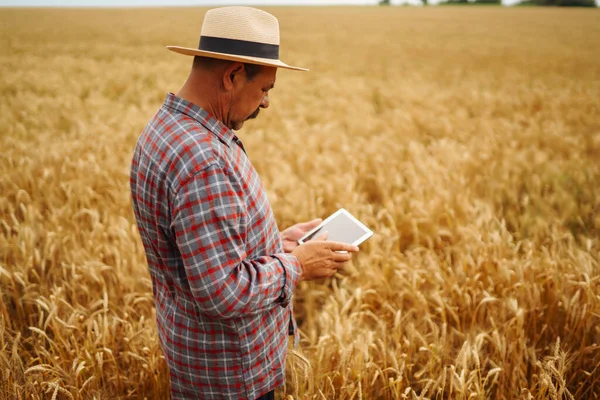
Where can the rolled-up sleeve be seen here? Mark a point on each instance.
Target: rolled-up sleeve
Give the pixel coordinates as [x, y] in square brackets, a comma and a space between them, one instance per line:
[210, 225]
[291, 277]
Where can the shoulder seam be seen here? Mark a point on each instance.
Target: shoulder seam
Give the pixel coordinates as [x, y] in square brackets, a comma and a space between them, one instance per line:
[192, 174]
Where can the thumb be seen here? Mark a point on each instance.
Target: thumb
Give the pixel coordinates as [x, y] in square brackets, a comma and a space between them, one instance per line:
[311, 224]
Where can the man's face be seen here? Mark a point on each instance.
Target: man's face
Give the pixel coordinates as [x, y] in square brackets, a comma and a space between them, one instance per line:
[250, 96]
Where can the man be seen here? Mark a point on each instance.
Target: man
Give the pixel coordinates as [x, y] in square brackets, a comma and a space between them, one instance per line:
[222, 274]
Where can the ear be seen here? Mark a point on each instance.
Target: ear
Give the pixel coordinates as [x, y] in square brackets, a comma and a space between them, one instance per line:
[233, 75]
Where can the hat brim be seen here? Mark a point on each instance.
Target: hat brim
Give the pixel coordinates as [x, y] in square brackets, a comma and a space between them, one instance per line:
[223, 56]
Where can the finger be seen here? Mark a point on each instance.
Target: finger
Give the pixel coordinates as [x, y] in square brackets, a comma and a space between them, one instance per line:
[341, 257]
[339, 246]
[339, 265]
[314, 222]
[310, 224]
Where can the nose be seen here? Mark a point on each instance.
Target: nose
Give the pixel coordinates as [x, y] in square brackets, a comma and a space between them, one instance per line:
[265, 101]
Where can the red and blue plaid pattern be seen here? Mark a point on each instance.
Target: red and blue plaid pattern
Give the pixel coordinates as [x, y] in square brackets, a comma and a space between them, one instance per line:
[222, 283]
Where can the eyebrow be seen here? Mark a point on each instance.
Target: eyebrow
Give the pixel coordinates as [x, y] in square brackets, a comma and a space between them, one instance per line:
[271, 86]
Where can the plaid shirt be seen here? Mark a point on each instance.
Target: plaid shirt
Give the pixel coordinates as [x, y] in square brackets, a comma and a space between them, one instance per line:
[222, 283]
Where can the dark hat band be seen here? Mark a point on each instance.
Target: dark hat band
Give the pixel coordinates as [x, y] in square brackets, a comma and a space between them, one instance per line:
[239, 47]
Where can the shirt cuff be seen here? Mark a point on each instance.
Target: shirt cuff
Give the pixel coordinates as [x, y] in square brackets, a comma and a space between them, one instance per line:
[290, 277]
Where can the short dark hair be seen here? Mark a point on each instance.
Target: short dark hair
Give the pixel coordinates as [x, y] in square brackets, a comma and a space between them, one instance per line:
[210, 63]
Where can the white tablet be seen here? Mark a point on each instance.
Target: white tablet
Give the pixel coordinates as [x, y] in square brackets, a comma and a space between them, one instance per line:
[341, 227]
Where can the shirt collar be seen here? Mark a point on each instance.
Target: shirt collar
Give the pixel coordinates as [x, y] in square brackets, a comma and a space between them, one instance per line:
[207, 120]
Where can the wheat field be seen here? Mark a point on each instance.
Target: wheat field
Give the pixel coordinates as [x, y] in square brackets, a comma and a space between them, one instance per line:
[467, 139]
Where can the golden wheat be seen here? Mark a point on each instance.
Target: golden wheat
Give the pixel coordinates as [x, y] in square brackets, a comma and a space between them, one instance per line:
[468, 139]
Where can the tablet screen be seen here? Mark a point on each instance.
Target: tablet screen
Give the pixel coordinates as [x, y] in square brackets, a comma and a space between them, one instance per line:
[341, 228]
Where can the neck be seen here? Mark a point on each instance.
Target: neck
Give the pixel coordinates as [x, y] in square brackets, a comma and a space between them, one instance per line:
[203, 91]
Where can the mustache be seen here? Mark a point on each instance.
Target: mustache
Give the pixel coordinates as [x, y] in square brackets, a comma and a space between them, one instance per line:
[254, 114]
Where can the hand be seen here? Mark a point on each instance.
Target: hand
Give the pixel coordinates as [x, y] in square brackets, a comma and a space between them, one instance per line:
[291, 235]
[320, 259]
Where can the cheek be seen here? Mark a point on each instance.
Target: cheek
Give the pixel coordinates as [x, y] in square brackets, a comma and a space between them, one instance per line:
[258, 97]
[256, 102]
[247, 104]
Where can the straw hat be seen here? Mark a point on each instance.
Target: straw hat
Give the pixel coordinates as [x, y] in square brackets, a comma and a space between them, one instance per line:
[242, 34]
